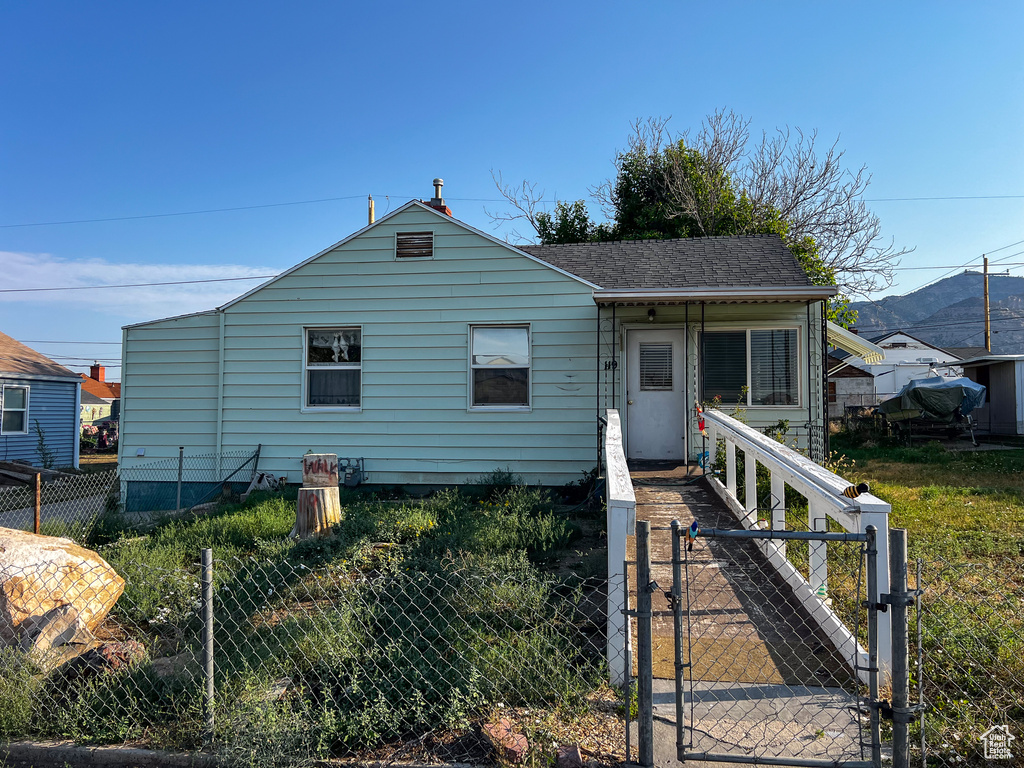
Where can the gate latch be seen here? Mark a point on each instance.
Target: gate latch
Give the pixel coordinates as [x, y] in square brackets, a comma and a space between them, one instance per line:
[898, 714]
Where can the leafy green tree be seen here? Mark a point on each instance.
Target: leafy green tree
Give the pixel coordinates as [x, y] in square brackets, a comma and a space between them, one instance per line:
[714, 184]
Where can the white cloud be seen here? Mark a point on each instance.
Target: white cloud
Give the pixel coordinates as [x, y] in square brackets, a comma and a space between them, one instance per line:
[32, 270]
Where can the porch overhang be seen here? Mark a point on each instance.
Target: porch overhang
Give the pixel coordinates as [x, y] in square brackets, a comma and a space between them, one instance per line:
[856, 345]
[721, 295]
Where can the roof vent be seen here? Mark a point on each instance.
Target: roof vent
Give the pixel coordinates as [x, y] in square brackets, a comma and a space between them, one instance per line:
[437, 202]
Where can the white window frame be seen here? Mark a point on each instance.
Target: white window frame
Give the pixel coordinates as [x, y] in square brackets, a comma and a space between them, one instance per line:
[3, 406]
[433, 244]
[800, 400]
[529, 370]
[304, 405]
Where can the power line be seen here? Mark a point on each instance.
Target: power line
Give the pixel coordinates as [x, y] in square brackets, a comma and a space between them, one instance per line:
[40, 341]
[179, 213]
[955, 197]
[135, 285]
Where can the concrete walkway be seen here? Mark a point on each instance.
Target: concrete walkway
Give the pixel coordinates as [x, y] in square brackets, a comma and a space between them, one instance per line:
[765, 681]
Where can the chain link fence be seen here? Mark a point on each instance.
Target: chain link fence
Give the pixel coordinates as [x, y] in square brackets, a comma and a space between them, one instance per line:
[312, 659]
[969, 642]
[69, 505]
[185, 482]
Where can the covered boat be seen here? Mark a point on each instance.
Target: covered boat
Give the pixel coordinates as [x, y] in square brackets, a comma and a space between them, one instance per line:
[936, 399]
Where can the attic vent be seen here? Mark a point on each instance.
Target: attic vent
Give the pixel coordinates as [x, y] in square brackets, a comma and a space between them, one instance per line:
[414, 245]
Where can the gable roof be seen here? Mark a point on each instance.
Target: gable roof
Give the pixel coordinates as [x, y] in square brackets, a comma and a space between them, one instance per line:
[16, 358]
[744, 261]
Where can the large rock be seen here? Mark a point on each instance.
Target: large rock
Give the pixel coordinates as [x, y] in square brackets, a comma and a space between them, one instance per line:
[52, 588]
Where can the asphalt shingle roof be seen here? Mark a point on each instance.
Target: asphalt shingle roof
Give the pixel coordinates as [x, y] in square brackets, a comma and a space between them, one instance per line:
[16, 358]
[746, 261]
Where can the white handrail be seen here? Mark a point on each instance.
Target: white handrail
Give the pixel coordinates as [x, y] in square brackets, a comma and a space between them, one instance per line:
[824, 491]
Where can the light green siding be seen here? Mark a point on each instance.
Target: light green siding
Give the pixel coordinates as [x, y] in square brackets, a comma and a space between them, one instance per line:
[169, 388]
[415, 424]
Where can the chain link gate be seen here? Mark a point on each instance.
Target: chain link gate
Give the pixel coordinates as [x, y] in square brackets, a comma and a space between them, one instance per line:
[758, 677]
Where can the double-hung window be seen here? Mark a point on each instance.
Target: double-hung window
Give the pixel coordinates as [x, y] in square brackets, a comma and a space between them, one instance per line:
[752, 367]
[13, 410]
[333, 367]
[500, 366]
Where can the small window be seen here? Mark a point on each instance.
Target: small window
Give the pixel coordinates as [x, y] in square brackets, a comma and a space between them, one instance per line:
[414, 245]
[833, 396]
[333, 366]
[500, 365]
[14, 411]
[655, 367]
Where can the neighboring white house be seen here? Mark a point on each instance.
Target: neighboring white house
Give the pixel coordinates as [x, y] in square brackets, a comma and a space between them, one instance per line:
[438, 353]
[906, 358]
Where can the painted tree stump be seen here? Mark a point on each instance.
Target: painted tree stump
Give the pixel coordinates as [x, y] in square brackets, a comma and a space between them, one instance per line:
[318, 509]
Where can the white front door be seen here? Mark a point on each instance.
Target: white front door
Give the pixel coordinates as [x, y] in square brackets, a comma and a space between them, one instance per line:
[655, 394]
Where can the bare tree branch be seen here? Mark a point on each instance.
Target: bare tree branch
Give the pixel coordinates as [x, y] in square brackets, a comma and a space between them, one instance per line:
[525, 200]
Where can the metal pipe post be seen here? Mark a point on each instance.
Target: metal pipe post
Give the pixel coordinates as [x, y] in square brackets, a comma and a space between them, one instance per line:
[645, 650]
[207, 599]
[900, 649]
[677, 620]
[181, 465]
[38, 502]
[871, 550]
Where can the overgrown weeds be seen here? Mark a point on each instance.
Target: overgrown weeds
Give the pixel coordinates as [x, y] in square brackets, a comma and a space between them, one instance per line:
[413, 617]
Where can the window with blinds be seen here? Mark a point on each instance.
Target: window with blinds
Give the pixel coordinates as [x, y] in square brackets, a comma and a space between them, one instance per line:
[655, 366]
[764, 362]
[773, 367]
[725, 366]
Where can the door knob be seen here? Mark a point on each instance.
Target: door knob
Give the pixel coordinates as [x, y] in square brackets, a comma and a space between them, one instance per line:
[629, 402]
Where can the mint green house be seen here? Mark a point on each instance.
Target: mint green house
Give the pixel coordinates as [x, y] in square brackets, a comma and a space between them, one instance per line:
[437, 353]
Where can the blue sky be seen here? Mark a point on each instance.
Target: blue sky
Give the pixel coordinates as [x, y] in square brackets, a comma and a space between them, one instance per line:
[111, 110]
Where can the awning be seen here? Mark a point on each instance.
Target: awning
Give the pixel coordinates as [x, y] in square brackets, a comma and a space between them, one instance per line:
[854, 344]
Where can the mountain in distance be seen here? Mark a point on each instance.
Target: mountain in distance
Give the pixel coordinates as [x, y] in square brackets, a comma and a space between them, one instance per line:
[951, 313]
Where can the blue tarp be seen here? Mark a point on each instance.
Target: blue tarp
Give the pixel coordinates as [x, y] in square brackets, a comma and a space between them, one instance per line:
[936, 398]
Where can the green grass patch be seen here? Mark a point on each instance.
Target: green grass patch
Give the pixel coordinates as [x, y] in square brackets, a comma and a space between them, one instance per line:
[413, 616]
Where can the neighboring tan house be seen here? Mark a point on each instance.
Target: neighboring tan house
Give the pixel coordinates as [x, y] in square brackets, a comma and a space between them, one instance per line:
[848, 387]
[101, 399]
[439, 353]
[1003, 375]
[37, 396]
[906, 358]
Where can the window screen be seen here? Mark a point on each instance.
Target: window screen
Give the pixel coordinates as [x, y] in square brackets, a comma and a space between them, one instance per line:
[655, 366]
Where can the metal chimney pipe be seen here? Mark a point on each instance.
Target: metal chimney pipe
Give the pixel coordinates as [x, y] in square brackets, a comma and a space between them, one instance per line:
[438, 183]
[370, 211]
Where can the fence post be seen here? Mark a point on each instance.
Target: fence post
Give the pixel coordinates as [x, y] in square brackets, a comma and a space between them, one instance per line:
[871, 551]
[645, 651]
[181, 464]
[677, 631]
[900, 649]
[207, 600]
[38, 502]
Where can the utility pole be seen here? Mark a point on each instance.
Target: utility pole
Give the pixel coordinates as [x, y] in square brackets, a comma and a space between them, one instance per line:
[988, 319]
